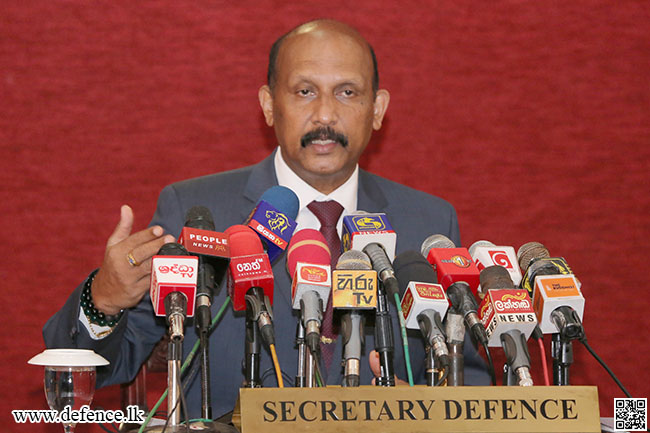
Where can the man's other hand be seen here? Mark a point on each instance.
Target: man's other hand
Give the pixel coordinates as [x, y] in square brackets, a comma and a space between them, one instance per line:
[124, 275]
[373, 360]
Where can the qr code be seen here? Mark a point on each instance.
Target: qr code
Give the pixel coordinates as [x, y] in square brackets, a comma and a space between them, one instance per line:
[630, 414]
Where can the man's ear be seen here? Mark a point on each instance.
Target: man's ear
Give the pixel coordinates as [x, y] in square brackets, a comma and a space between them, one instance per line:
[382, 98]
[266, 102]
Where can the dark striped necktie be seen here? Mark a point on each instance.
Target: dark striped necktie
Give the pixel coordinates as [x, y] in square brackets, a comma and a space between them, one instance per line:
[328, 213]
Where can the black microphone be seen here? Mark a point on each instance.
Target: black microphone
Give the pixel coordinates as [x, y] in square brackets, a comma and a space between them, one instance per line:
[200, 239]
[424, 300]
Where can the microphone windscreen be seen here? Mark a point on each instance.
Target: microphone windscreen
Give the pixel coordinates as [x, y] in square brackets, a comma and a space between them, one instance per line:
[412, 266]
[495, 277]
[354, 260]
[243, 241]
[199, 217]
[282, 199]
[307, 246]
[478, 244]
[530, 251]
[436, 241]
[172, 249]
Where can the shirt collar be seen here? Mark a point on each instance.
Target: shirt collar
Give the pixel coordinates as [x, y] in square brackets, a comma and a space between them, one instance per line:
[345, 194]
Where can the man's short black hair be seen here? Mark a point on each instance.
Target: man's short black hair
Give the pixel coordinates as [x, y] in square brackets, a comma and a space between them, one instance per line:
[271, 74]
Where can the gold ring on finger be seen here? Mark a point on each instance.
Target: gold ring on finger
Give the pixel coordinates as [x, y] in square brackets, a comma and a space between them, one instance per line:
[132, 261]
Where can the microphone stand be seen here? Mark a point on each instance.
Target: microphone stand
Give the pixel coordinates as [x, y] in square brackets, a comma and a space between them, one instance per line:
[301, 378]
[203, 301]
[252, 353]
[570, 328]
[384, 340]
[175, 306]
[562, 352]
[455, 330]
[430, 372]
[174, 355]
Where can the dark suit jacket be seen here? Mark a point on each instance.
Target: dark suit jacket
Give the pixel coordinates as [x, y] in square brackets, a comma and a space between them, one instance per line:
[231, 196]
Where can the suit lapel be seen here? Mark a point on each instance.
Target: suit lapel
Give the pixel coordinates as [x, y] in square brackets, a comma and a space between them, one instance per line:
[370, 198]
[262, 177]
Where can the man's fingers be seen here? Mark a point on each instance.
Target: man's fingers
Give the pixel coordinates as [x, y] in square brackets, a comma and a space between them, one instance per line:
[373, 360]
[375, 367]
[142, 253]
[123, 228]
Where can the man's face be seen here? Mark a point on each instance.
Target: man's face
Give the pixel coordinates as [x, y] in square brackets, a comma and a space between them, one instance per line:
[322, 105]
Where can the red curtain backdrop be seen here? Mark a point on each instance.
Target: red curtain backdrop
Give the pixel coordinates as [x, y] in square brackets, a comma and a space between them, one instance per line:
[530, 117]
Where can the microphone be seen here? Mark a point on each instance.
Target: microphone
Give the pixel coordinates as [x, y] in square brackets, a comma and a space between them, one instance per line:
[460, 278]
[424, 302]
[363, 228]
[508, 316]
[273, 219]
[199, 238]
[381, 251]
[353, 275]
[557, 299]
[173, 286]
[485, 253]
[250, 278]
[450, 263]
[308, 262]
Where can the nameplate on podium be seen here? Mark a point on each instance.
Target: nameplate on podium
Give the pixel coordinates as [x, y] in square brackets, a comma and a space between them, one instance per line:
[405, 409]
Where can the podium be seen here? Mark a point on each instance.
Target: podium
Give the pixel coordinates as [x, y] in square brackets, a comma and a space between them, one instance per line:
[403, 409]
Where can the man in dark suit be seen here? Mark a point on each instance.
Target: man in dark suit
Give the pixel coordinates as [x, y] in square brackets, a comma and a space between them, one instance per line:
[323, 100]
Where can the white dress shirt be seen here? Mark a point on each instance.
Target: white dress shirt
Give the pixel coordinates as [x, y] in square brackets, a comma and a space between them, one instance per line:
[345, 194]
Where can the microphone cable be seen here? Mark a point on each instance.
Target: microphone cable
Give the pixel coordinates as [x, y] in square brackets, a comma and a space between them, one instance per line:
[490, 363]
[583, 340]
[405, 342]
[542, 350]
[443, 377]
[276, 365]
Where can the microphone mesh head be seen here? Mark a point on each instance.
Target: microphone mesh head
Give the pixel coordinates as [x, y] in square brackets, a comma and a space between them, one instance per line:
[495, 277]
[282, 199]
[436, 241]
[308, 246]
[243, 241]
[199, 217]
[354, 260]
[529, 251]
[478, 244]
[412, 266]
[173, 249]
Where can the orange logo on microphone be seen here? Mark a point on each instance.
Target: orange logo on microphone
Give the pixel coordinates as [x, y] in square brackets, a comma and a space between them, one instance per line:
[461, 261]
[430, 291]
[313, 274]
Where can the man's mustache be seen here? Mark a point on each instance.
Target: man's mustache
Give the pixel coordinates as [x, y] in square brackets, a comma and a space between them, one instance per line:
[324, 133]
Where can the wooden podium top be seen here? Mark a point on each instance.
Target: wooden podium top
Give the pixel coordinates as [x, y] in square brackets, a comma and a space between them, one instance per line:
[404, 409]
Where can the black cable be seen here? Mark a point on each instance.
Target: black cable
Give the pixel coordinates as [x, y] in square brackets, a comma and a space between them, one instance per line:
[184, 408]
[169, 415]
[611, 373]
[443, 377]
[490, 364]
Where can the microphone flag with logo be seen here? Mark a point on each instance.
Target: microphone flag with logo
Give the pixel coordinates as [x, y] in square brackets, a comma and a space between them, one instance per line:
[274, 219]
